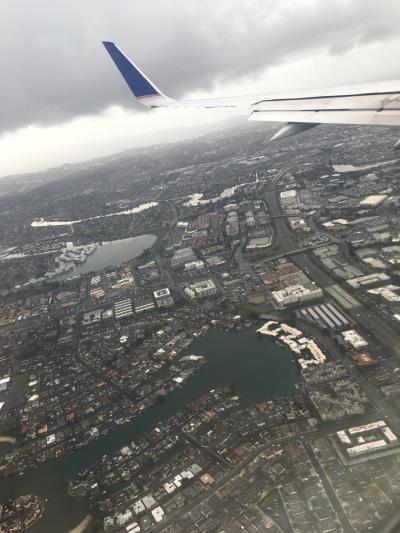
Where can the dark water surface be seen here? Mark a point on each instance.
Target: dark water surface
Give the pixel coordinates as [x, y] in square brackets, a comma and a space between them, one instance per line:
[256, 366]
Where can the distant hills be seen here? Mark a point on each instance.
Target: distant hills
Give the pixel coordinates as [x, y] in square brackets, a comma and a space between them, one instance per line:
[23, 183]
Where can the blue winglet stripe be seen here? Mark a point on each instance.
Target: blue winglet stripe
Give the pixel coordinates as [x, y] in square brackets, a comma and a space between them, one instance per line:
[138, 84]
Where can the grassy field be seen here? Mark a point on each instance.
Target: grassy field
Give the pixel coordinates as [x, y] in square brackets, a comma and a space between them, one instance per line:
[20, 381]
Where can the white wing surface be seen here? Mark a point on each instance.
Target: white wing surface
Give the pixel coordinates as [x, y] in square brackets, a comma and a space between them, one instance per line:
[374, 104]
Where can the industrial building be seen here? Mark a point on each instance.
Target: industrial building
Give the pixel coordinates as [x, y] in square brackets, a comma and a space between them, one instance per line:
[390, 293]
[368, 279]
[195, 265]
[364, 359]
[299, 224]
[259, 242]
[201, 289]
[325, 315]
[295, 294]
[373, 200]
[288, 198]
[163, 298]
[354, 339]
[182, 256]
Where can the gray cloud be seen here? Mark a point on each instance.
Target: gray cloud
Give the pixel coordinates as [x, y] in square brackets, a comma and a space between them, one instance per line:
[54, 67]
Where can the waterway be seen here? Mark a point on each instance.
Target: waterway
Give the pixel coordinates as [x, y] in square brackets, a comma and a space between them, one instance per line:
[111, 253]
[256, 366]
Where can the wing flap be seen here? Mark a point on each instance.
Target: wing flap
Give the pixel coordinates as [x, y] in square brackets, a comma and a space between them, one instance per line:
[382, 109]
[371, 117]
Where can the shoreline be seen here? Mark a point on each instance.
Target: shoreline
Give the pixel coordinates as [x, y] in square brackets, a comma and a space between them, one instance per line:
[6, 438]
[80, 528]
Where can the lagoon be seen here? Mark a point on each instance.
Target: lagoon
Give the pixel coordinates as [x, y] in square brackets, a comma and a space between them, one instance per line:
[256, 366]
[111, 254]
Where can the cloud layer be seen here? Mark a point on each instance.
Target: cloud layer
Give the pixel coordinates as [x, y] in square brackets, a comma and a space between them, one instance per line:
[55, 69]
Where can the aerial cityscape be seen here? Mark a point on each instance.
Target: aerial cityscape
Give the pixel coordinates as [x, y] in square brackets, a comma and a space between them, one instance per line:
[204, 336]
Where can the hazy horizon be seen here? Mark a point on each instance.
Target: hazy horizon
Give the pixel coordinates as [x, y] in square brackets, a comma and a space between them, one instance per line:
[160, 138]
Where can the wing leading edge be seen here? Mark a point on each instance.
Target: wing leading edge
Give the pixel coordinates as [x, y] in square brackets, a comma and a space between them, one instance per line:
[373, 104]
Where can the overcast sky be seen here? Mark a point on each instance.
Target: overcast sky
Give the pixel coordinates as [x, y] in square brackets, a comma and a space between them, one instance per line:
[62, 100]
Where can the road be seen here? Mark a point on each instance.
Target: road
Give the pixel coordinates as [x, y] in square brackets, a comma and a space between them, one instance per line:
[207, 451]
[244, 266]
[347, 527]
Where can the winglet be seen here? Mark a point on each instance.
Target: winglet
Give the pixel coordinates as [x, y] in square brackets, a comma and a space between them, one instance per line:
[143, 89]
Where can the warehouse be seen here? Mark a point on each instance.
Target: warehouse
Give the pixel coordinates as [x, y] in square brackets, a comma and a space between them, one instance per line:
[373, 201]
[326, 315]
[354, 339]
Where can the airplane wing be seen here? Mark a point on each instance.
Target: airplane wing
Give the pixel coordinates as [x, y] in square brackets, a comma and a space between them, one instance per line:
[373, 104]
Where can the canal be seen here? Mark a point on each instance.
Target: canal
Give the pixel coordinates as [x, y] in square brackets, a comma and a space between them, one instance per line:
[256, 366]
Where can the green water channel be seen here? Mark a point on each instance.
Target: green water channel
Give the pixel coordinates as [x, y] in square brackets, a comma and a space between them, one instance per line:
[256, 366]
